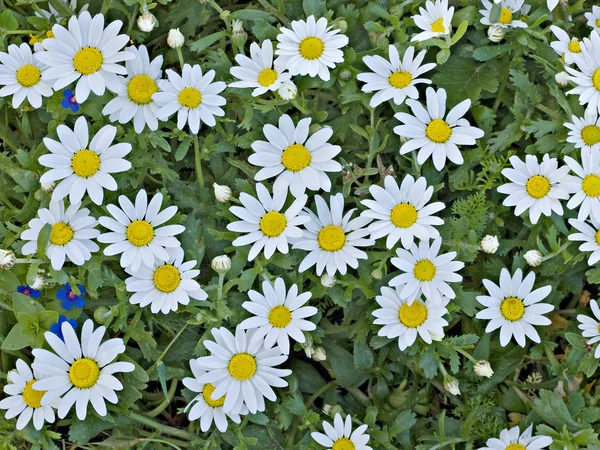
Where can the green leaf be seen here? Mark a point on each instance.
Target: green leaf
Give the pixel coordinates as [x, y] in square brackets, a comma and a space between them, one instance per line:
[490, 52]
[552, 409]
[25, 304]
[8, 281]
[43, 239]
[462, 28]
[363, 357]
[464, 78]
[342, 363]
[314, 7]
[8, 21]
[16, 339]
[203, 43]
[253, 14]
[403, 422]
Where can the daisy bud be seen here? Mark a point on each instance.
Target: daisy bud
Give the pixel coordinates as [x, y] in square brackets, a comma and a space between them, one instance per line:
[533, 258]
[562, 78]
[7, 259]
[489, 244]
[101, 314]
[435, 336]
[495, 33]
[342, 25]
[328, 281]
[319, 354]
[451, 385]
[222, 192]
[238, 35]
[332, 410]
[40, 280]
[146, 22]
[175, 39]
[224, 14]
[221, 264]
[483, 369]
[345, 75]
[288, 90]
[377, 274]
[48, 187]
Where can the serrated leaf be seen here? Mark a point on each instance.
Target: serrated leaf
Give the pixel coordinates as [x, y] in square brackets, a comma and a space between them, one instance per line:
[464, 78]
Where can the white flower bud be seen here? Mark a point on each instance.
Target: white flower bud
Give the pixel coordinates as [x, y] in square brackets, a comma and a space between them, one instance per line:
[7, 259]
[483, 369]
[40, 280]
[287, 90]
[328, 281]
[238, 34]
[48, 187]
[222, 193]
[533, 258]
[562, 78]
[451, 385]
[221, 264]
[495, 33]
[175, 39]
[319, 354]
[146, 22]
[489, 244]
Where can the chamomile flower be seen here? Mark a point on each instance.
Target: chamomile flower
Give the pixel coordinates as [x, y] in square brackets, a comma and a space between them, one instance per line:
[585, 131]
[83, 165]
[266, 226]
[535, 187]
[70, 237]
[310, 48]
[585, 184]
[21, 76]
[433, 132]
[406, 322]
[80, 372]
[166, 285]
[192, 96]
[242, 370]
[514, 440]
[402, 213]
[426, 271]
[25, 401]
[435, 20]
[279, 315]
[298, 161]
[514, 307]
[506, 20]
[566, 47]
[134, 100]
[86, 52]
[590, 328]
[394, 79]
[587, 78]
[589, 234]
[341, 437]
[203, 407]
[257, 71]
[593, 18]
[332, 237]
[135, 231]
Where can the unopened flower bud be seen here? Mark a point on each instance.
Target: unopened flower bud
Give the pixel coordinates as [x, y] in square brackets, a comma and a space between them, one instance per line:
[342, 25]
[224, 14]
[221, 264]
[328, 281]
[489, 244]
[175, 39]
[319, 354]
[332, 410]
[101, 314]
[48, 187]
[451, 385]
[377, 274]
[40, 280]
[222, 193]
[238, 35]
[495, 33]
[562, 78]
[533, 258]
[345, 75]
[7, 259]
[146, 22]
[288, 90]
[483, 369]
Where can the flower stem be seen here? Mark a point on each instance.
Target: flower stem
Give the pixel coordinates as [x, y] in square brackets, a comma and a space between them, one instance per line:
[160, 408]
[180, 57]
[172, 431]
[198, 162]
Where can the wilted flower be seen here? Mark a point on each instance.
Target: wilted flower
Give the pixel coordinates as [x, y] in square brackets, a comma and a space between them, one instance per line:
[533, 258]
[451, 385]
[287, 90]
[483, 369]
[221, 264]
[40, 280]
[222, 192]
[319, 354]
[175, 39]
[489, 244]
[7, 259]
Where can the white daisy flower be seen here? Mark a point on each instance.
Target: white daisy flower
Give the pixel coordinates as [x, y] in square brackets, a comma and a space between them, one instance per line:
[513, 440]
[506, 20]
[585, 131]
[332, 238]
[242, 370]
[340, 435]
[514, 307]
[80, 372]
[433, 134]
[21, 76]
[590, 328]
[71, 235]
[166, 285]
[535, 186]
[426, 272]
[266, 226]
[136, 233]
[587, 78]
[585, 184]
[394, 79]
[402, 213]
[310, 48]
[298, 161]
[86, 52]
[435, 20]
[279, 314]
[593, 18]
[25, 401]
[84, 165]
[192, 96]
[257, 71]
[134, 100]
[406, 322]
[203, 407]
[589, 235]
[567, 48]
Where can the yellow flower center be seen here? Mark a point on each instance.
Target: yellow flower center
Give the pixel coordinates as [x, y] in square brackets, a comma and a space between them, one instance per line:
[88, 60]
[412, 316]
[598, 22]
[506, 16]
[331, 238]
[49, 34]
[438, 26]
[273, 223]
[400, 80]
[424, 270]
[85, 163]
[598, 237]
[512, 308]
[166, 278]
[591, 185]
[311, 48]
[141, 88]
[296, 157]
[591, 135]
[515, 447]
[84, 373]
[139, 233]
[574, 46]
[190, 98]
[343, 444]
[538, 186]
[280, 316]
[438, 131]
[242, 366]
[596, 79]
[267, 77]
[207, 392]
[28, 75]
[61, 233]
[403, 215]
[31, 396]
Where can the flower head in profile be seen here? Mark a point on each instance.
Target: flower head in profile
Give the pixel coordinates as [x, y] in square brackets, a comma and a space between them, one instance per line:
[507, 13]
[589, 235]
[566, 47]
[435, 20]
[587, 77]
[593, 18]
[70, 299]
[590, 327]
[584, 132]
[584, 184]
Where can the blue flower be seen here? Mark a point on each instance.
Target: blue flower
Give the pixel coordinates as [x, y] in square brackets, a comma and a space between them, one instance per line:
[29, 291]
[56, 328]
[69, 298]
[69, 101]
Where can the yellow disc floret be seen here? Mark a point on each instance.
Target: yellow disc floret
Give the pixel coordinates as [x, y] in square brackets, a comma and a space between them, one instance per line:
[343, 444]
[61, 233]
[32, 397]
[591, 185]
[267, 77]
[280, 316]
[141, 88]
[88, 60]
[512, 308]
[28, 75]
[207, 392]
[424, 270]
[590, 135]
[311, 48]
[506, 16]
[273, 224]
[438, 131]
[412, 316]
[166, 278]
[331, 238]
[400, 80]
[296, 157]
[190, 98]
[84, 373]
[404, 215]
[438, 26]
[242, 366]
[85, 163]
[139, 233]
[538, 186]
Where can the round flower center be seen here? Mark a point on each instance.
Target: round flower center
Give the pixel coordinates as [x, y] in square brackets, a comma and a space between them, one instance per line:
[515, 447]
[506, 16]
[598, 22]
[438, 131]
[28, 75]
[267, 77]
[311, 48]
[591, 185]
[331, 238]
[538, 186]
[403, 215]
[85, 163]
[343, 444]
[242, 366]
[296, 157]
[598, 237]
[61, 234]
[207, 391]
[139, 233]
[424, 270]
[190, 98]
[596, 79]
[574, 46]
[400, 80]
[512, 308]
[141, 88]
[72, 296]
[438, 26]
[412, 316]
[591, 135]
[88, 60]
[273, 223]
[166, 278]
[280, 316]
[31, 396]
[84, 373]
